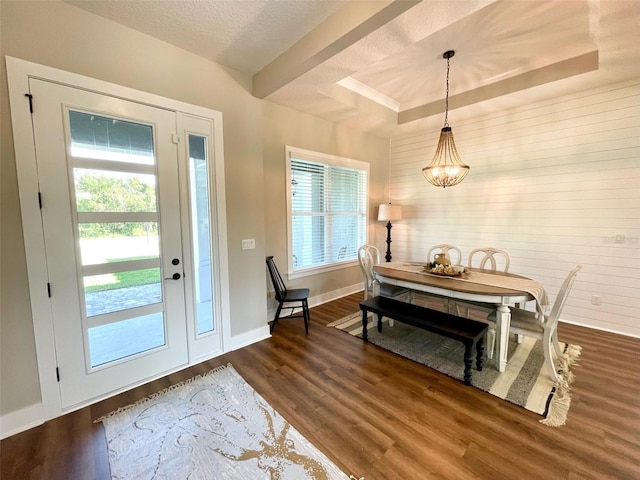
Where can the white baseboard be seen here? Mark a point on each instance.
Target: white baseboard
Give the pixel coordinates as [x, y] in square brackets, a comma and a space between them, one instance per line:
[21, 420]
[247, 338]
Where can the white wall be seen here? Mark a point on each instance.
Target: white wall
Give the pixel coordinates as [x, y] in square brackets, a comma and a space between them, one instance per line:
[553, 184]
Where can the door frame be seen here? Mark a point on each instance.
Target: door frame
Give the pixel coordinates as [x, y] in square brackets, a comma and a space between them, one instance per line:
[18, 74]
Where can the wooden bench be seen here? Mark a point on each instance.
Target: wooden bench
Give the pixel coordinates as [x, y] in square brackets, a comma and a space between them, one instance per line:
[469, 332]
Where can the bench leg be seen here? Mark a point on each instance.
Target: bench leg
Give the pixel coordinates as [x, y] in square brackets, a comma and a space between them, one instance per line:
[364, 325]
[468, 360]
[480, 353]
[379, 323]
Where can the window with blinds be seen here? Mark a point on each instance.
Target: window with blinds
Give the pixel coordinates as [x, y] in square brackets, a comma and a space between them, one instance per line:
[327, 209]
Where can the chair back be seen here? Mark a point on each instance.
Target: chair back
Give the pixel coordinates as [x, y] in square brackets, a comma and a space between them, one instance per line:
[446, 249]
[552, 319]
[368, 256]
[489, 256]
[276, 279]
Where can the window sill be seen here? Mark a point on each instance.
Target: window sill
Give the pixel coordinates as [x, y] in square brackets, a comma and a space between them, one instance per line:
[307, 272]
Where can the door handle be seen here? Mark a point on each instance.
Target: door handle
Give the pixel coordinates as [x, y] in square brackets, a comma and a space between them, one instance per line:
[175, 276]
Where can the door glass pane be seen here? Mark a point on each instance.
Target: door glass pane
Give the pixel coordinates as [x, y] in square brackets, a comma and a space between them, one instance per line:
[105, 138]
[114, 177]
[121, 339]
[118, 242]
[201, 234]
[108, 191]
[117, 291]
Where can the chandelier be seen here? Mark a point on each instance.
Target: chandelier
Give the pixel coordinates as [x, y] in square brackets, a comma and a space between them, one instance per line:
[446, 169]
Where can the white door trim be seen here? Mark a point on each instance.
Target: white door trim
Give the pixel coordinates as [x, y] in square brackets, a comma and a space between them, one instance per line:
[18, 74]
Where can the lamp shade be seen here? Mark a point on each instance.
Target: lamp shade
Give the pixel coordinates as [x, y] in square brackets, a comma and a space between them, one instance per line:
[387, 212]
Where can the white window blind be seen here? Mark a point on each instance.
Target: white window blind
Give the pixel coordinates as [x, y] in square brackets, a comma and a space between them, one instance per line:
[327, 209]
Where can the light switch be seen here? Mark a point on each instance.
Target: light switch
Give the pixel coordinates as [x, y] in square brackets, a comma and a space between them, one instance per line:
[248, 244]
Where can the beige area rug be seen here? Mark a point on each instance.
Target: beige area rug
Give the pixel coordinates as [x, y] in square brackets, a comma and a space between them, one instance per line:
[525, 382]
[214, 426]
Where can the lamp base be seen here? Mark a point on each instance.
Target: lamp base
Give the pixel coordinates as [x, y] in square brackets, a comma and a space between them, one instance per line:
[387, 257]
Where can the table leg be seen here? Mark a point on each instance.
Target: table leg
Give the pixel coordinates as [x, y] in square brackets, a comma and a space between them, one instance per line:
[468, 359]
[364, 325]
[503, 320]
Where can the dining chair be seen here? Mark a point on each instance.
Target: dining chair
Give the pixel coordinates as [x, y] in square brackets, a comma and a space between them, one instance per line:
[446, 249]
[540, 325]
[368, 257]
[284, 296]
[493, 256]
[435, 301]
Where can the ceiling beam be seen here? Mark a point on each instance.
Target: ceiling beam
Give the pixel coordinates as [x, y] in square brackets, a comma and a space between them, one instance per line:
[587, 62]
[338, 32]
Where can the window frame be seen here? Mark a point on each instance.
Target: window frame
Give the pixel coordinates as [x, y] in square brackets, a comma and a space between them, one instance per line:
[326, 159]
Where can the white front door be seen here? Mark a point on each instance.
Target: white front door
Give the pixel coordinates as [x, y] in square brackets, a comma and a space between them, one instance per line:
[111, 212]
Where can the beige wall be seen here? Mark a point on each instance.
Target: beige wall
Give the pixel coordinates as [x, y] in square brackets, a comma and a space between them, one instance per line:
[56, 34]
[283, 126]
[64, 37]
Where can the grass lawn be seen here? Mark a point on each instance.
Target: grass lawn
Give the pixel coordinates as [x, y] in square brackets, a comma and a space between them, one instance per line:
[131, 278]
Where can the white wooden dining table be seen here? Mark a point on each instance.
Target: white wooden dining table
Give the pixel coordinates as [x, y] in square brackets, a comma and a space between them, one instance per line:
[503, 290]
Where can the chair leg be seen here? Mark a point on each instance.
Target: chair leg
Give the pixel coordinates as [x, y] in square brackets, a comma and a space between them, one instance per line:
[556, 344]
[548, 358]
[275, 319]
[305, 315]
[491, 342]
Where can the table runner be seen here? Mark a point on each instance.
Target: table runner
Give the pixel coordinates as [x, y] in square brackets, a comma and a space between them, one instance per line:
[532, 287]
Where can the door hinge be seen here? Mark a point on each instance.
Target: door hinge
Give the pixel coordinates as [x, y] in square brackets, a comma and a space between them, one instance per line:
[49, 289]
[30, 97]
[40, 200]
[57, 374]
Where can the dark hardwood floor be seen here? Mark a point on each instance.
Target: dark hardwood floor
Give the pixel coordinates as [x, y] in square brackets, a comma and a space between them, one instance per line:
[381, 416]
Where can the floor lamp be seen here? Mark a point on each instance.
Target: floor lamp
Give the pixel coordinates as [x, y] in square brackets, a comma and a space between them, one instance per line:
[386, 213]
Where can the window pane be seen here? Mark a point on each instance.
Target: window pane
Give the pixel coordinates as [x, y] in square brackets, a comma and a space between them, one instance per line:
[94, 136]
[121, 339]
[118, 242]
[328, 211]
[201, 233]
[117, 291]
[106, 191]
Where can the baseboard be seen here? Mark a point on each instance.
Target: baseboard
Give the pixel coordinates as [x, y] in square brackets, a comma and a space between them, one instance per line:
[250, 337]
[334, 295]
[21, 420]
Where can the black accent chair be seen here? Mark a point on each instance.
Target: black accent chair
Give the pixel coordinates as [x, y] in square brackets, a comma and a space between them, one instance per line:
[283, 295]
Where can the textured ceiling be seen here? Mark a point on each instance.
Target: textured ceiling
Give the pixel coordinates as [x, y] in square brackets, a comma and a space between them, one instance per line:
[378, 66]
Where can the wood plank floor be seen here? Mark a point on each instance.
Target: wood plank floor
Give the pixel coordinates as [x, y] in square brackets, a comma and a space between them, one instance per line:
[381, 416]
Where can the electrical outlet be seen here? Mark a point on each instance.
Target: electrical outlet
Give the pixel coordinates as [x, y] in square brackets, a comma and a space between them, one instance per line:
[248, 244]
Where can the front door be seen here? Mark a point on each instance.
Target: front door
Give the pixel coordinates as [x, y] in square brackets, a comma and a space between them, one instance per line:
[109, 182]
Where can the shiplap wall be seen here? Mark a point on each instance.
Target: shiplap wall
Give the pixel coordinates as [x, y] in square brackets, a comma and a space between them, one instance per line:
[553, 183]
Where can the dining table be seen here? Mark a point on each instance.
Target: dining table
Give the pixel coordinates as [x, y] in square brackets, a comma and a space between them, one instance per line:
[500, 289]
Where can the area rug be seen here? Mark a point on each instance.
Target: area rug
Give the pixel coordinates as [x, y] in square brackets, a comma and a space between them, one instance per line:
[524, 382]
[214, 426]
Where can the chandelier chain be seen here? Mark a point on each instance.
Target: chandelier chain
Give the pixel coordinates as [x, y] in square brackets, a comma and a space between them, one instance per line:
[446, 100]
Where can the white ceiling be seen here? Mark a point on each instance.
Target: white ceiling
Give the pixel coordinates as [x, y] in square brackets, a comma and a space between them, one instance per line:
[378, 66]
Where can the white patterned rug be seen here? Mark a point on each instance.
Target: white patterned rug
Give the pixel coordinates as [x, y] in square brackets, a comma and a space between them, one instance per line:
[525, 382]
[214, 426]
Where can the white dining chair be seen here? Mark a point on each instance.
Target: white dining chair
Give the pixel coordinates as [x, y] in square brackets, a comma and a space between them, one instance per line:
[496, 258]
[368, 257]
[487, 258]
[435, 301]
[541, 326]
[447, 250]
